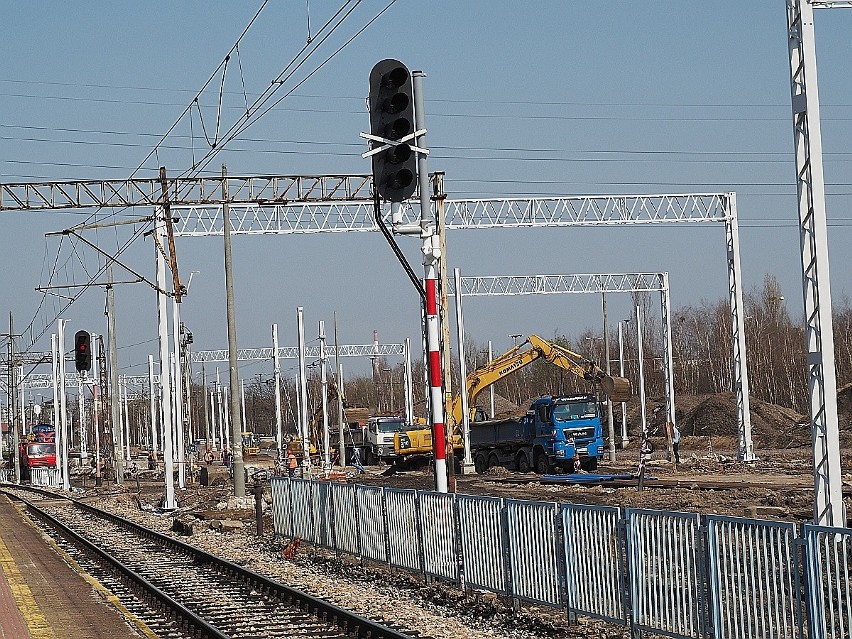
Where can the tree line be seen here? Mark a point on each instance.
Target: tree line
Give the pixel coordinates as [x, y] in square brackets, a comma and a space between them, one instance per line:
[702, 356]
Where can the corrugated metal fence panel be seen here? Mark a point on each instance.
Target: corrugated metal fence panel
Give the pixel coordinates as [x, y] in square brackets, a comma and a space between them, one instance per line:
[371, 520]
[753, 578]
[482, 522]
[595, 573]
[321, 507]
[281, 519]
[301, 504]
[438, 526]
[533, 548]
[664, 560]
[345, 501]
[46, 477]
[404, 541]
[829, 567]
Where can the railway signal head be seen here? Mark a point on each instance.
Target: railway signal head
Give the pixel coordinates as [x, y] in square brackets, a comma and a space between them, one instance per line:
[392, 118]
[83, 351]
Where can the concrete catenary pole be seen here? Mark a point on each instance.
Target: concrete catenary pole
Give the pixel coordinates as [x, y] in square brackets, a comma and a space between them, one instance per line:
[55, 378]
[243, 404]
[303, 396]
[151, 390]
[645, 449]
[341, 416]
[279, 426]
[326, 435]
[431, 258]
[409, 384]
[178, 395]
[63, 404]
[234, 383]
[467, 464]
[16, 438]
[126, 422]
[169, 502]
[610, 422]
[207, 408]
[114, 394]
[491, 389]
[624, 440]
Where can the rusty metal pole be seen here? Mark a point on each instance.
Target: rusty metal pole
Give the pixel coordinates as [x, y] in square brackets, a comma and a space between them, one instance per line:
[258, 506]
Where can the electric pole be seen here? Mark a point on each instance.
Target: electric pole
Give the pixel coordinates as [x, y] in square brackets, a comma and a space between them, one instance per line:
[236, 424]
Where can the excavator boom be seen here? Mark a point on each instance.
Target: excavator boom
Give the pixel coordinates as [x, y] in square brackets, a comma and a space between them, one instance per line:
[616, 388]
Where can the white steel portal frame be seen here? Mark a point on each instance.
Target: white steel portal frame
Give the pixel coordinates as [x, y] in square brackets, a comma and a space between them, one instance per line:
[605, 283]
[356, 215]
[511, 285]
[813, 233]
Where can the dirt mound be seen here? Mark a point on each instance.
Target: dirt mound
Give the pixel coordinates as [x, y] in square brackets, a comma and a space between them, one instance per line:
[715, 415]
[772, 426]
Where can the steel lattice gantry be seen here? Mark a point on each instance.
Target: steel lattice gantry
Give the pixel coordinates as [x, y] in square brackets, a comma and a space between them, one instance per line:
[813, 234]
[76, 194]
[292, 352]
[341, 216]
[614, 210]
[288, 204]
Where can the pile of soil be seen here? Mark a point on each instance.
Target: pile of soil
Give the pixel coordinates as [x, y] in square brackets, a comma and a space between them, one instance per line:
[715, 415]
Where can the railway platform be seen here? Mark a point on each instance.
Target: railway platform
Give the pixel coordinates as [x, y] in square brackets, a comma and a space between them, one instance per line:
[42, 596]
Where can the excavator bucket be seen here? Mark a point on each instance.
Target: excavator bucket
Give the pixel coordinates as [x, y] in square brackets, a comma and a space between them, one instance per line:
[616, 388]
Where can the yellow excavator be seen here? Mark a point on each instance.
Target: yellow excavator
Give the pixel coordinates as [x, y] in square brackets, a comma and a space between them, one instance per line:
[419, 441]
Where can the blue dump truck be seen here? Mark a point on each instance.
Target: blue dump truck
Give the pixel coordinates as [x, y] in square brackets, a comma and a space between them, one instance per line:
[557, 433]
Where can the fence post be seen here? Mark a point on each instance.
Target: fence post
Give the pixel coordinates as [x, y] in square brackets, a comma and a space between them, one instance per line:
[561, 563]
[421, 556]
[507, 555]
[385, 526]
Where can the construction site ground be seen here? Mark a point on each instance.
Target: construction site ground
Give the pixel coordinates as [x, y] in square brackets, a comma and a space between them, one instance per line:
[778, 484]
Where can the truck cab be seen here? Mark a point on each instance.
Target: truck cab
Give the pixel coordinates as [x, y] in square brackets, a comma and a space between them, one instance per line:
[378, 438]
[567, 427]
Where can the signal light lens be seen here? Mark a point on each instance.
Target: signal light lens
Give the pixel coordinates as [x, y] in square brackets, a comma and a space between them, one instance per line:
[398, 154]
[399, 128]
[401, 179]
[395, 78]
[399, 102]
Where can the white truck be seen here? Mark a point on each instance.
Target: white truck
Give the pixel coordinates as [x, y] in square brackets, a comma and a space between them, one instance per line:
[378, 438]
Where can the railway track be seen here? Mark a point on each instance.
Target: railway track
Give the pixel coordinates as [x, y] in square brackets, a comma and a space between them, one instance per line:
[181, 591]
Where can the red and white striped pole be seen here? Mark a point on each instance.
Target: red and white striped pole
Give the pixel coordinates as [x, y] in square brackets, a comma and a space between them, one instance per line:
[431, 257]
[436, 389]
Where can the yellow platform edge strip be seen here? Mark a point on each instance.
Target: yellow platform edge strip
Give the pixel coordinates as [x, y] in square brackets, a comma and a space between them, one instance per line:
[24, 599]
[105, 592]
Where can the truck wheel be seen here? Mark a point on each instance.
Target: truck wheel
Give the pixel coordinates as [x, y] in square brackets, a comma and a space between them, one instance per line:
[542, 465]
[589, 464]
[493, 461]
[368, 457]
[480, 463]
[523, 463]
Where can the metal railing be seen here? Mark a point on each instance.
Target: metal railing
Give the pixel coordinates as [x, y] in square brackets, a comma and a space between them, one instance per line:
[681, 575]
[51, 477]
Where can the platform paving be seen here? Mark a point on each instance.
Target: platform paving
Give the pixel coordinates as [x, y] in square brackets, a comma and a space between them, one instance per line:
[42, 596]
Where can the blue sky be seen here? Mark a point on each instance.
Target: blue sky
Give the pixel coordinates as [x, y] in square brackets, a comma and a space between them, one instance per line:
[542, 98]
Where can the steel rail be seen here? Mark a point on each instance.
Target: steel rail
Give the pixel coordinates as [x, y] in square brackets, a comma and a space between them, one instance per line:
[347, 620]
[164, 600]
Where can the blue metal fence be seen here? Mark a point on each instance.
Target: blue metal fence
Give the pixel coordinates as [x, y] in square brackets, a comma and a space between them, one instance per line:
[676, 574]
